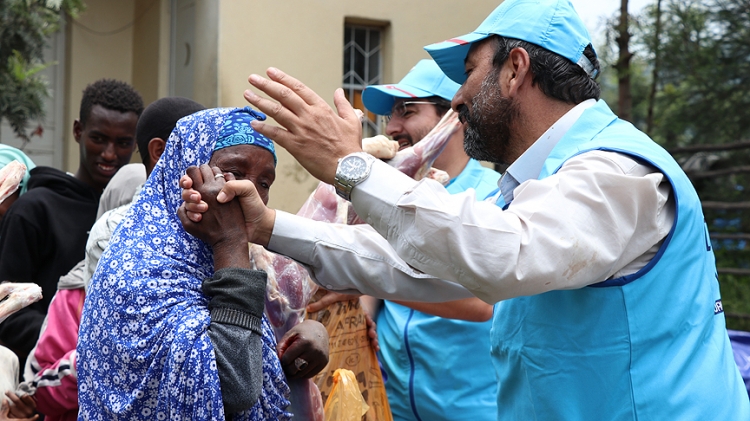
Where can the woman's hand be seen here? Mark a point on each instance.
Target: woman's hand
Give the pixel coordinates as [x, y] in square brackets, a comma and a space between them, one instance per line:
[222, 224]
[303, 351]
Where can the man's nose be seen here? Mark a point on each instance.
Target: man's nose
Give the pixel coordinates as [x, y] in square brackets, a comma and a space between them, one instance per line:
[393, 127]
[458, 99]
[109, 153]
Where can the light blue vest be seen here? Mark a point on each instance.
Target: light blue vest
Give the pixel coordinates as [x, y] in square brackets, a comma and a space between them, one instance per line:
[648, 346]
[436, 368]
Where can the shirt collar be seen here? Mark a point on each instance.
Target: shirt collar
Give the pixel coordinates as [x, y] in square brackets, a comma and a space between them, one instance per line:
[529, 165]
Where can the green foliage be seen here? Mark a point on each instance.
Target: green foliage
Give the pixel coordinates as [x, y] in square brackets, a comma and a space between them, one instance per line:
[704, 55]
[735, 293]
[702, 97]
[24, 28]
[640, 74]
[22, 93]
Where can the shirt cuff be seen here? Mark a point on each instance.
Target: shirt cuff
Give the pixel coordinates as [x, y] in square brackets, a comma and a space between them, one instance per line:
[294, 235]
[375, 199]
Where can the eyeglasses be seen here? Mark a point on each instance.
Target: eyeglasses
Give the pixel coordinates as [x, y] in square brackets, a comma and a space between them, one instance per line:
[400, 111]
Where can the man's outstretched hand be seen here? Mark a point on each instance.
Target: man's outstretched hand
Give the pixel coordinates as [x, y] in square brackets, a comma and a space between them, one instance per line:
[258, 218]
[316, 135]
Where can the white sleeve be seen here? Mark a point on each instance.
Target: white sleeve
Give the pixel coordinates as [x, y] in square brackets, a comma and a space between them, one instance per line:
[355, 258]
[98, 239]
[580, 226]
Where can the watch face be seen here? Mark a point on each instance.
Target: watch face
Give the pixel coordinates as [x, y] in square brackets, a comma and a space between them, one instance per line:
[353, 167]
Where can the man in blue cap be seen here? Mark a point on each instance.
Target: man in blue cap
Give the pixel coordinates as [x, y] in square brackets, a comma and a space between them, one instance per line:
[413, 335]
[595, 248]
[414, 106]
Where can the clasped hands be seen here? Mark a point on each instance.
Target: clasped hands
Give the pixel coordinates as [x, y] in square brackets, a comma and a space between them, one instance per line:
[200, 188]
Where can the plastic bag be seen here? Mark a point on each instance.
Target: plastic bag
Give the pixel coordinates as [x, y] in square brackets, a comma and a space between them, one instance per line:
[345, 403]
[349, 348]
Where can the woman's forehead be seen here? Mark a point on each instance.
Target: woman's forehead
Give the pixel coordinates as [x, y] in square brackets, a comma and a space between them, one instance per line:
[246, 153]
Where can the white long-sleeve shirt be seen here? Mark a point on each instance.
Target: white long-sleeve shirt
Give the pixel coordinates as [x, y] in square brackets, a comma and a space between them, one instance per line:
[602, 215]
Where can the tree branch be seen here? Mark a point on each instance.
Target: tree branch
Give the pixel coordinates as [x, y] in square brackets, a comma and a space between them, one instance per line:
[742, 144]
[726, 205]
[698, 175]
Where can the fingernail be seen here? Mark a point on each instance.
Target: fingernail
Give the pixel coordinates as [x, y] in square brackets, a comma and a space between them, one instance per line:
[221, 197]
[254, 78]
[250, 95]
[194, 197]
[272, 71]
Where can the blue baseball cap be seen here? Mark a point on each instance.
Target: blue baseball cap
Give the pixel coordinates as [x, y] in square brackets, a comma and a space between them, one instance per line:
[551, 24]
[423, 80]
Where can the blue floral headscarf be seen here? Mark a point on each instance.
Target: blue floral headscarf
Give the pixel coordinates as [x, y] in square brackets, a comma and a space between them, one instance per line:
[144, 350]
[9, 154]
[237, 131]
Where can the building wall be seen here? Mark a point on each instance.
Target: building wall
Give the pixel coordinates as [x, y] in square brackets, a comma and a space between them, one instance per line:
[147, 48]
[305, 39]
[99, 45]
[235, 38]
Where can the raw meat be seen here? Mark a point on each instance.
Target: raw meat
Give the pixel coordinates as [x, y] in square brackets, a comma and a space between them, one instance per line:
[15, 296]
[10, 178]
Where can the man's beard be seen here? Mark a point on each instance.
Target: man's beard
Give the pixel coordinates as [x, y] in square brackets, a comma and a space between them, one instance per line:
[487, 133]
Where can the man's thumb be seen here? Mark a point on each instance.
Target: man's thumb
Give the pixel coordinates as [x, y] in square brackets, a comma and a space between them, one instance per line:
[236, 188]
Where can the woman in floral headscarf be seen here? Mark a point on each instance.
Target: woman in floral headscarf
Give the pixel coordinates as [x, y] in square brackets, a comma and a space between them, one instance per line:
[166, 310]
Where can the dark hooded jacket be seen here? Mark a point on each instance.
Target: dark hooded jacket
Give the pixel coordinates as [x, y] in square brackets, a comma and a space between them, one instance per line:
[42, 236]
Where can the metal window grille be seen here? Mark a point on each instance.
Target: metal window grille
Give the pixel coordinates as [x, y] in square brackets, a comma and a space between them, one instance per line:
[362, 67]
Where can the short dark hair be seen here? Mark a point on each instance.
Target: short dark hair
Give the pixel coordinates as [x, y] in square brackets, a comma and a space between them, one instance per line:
[111, 94]
[556, 76]
[159, 119]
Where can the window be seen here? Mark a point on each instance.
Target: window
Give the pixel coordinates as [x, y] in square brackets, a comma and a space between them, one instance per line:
[362, 67]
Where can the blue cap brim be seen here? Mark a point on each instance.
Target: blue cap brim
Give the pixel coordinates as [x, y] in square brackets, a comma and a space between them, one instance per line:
[451, 54]
[379, 99]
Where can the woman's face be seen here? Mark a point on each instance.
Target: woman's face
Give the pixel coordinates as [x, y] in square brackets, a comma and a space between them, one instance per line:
[247, 162]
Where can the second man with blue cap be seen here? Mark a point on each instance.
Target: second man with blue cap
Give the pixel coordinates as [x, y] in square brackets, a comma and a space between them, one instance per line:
[413, 335]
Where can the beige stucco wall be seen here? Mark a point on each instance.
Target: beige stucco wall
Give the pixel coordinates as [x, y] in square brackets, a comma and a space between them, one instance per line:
[147, 48]
[240, 37]
[305, 38]
[99, 45]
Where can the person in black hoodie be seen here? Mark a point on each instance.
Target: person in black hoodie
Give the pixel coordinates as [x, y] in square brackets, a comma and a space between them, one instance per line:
[43, 234]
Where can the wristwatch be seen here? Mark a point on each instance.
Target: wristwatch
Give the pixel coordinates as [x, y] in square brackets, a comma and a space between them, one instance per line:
[352, 170]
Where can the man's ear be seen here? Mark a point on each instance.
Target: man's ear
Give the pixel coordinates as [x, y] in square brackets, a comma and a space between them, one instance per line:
[519, 64]
[77, 130]
[155, 149]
